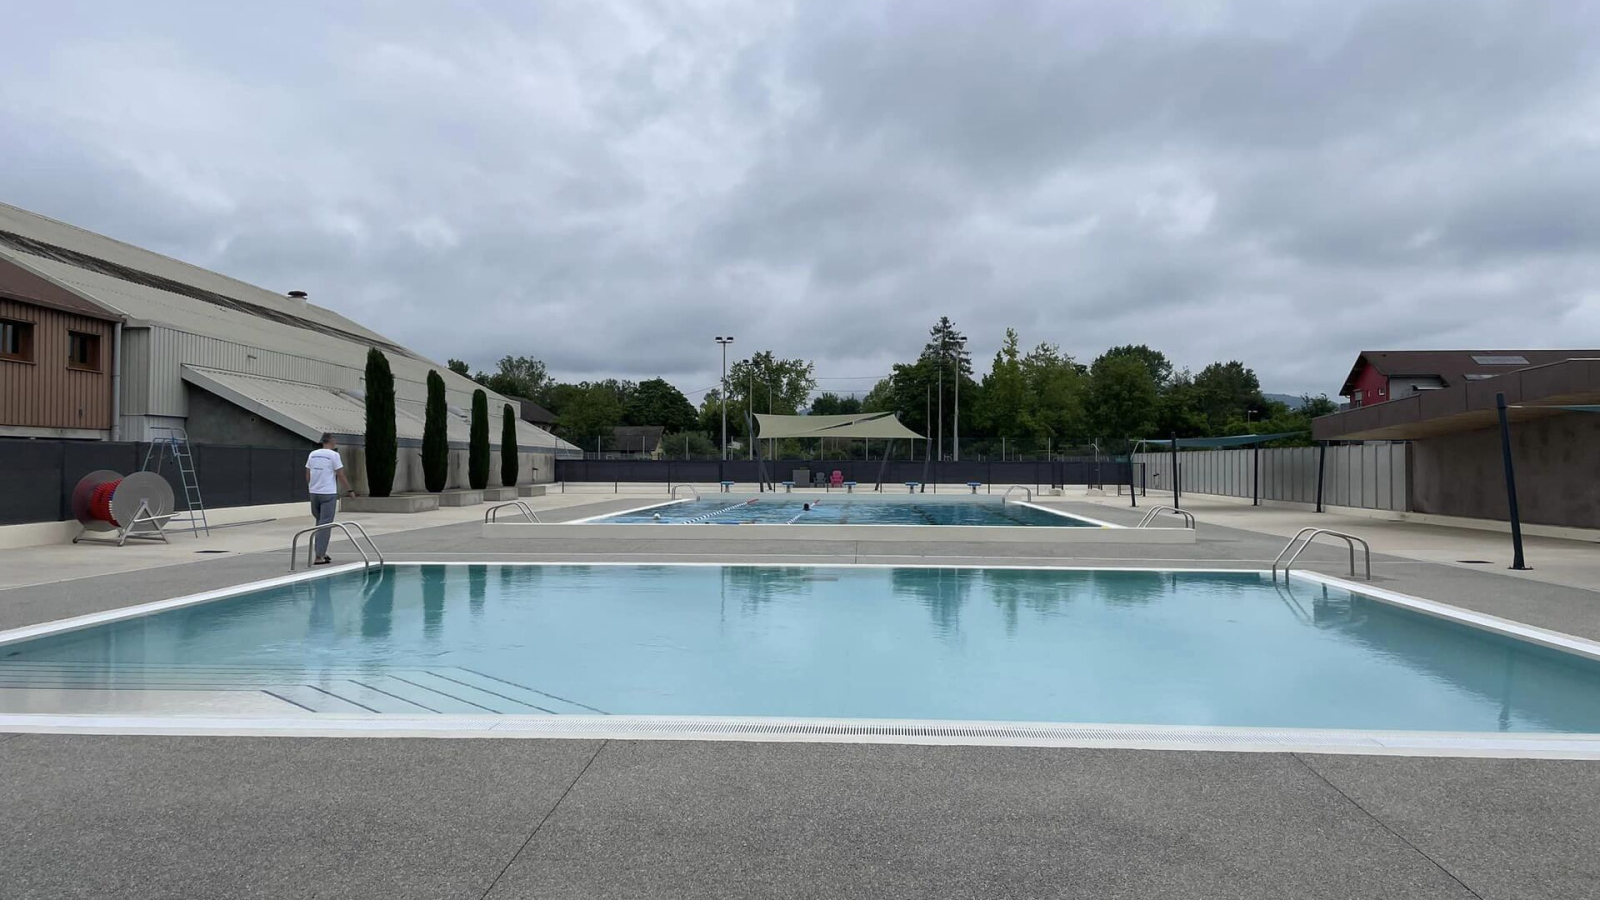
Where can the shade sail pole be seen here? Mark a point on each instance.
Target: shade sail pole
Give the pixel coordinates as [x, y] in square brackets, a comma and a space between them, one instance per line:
[1517, 561]
[1175, 504]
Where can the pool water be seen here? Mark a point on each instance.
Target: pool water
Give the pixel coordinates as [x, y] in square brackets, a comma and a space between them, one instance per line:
[1150, 647]
[782, 509]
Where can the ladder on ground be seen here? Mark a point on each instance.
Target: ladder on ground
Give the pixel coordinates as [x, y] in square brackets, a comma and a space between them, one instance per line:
[175, 440]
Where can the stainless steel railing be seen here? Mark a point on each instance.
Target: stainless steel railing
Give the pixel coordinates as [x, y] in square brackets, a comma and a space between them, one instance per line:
[366, 561]
[1309, 534]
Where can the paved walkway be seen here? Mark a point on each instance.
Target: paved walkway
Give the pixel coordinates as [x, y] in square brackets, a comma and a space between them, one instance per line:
[134, 817]
[150, 817]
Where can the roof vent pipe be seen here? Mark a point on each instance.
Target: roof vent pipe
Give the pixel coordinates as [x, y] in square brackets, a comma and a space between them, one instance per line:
[299, 297]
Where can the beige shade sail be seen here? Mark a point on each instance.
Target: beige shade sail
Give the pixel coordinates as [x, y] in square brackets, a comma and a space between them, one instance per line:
[859, 425]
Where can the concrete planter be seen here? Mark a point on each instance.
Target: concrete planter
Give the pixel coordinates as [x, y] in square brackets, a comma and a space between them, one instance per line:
[399, 503]
[499, 494]
[530, 490]
[460, 498]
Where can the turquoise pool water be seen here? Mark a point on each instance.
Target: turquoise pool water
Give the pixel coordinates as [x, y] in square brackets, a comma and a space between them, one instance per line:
[839, 509]
[1065, 646]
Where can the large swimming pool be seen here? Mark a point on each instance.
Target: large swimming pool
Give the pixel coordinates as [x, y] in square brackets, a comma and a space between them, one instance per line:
[842, 509]
[1149, 647]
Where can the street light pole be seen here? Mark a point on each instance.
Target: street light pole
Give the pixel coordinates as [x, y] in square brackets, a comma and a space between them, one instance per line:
[956, 425]
[724, 341]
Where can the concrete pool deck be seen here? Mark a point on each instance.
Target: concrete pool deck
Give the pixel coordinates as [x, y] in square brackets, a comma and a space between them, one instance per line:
[136, 817]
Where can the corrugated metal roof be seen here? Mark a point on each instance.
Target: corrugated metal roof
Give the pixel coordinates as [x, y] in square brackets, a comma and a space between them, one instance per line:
[143, 300]
[311, 409]
[1454, 366]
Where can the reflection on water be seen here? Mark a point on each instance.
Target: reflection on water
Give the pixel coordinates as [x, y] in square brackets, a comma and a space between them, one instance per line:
[477, 588]
[377, 604]
[432, 599]
[1052, 645]
[941, 591]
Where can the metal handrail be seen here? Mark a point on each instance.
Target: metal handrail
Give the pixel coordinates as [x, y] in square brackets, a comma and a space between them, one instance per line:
[674, 492]
[1149, 516]
[492, 514]
[1017, 487]
[366, 561]
[1310, 534]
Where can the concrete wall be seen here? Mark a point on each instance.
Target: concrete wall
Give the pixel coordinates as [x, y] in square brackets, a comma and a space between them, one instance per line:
[213, 420]
[1363, 476]
[408, 469]
[1557, 462]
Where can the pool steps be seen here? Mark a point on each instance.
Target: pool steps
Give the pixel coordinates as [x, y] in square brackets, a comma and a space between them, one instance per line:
[446, 689]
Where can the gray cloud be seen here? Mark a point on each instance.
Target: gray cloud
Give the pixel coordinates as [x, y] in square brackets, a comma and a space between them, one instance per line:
[607, 185]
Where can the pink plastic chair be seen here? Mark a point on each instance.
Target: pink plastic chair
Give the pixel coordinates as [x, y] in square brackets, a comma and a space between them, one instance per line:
[836, 479]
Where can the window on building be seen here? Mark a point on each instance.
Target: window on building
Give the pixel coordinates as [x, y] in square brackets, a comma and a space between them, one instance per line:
[1356, 395]
[16, 340]
[83, 351]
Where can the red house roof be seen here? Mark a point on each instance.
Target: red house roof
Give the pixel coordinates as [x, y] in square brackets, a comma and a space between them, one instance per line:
[1455, 366]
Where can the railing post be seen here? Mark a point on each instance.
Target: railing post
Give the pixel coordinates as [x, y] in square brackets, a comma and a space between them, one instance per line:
[1322, 465]
[1517, 561]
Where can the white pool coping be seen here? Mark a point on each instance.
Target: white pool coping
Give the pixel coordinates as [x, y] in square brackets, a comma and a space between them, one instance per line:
[831, 730]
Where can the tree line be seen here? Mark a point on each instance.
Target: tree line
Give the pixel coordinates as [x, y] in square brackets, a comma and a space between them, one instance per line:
[1028, 403]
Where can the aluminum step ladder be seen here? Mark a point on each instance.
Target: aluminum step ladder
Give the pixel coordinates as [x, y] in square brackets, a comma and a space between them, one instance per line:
[176, 442]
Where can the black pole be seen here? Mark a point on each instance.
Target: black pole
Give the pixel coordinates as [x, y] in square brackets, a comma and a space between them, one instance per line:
[1517, 561]
[1255, 471]
[1175, 470]
[1133, 492]
[1322, 465]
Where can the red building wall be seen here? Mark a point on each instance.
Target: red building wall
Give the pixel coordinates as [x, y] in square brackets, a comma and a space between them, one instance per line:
[1374, 387]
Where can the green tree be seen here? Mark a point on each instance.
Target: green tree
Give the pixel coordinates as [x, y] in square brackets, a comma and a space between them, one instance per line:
[459, 367]
[1122, 398]
[1160, 367]
[830, 404]
[656, 402]
[435, 442]
[591, 411]
[693, 443]
[1005, 409]
[1056, 388]
[1227, 391]
[518, 376]
[761, 384]
[478, 442]
[508, 447]
[382, 450]
[1320, 405]
[1179, 409]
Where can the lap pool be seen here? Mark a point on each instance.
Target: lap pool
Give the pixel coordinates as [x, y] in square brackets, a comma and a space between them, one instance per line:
[782, 509]
[994, 644]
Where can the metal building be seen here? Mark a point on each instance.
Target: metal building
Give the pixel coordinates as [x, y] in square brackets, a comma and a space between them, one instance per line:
[232, 362]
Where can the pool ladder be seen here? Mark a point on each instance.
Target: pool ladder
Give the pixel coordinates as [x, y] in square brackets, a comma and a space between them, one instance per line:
[1188, 517]
[366, 561]
[1311, 533]
[492, 514]
[1016, 487]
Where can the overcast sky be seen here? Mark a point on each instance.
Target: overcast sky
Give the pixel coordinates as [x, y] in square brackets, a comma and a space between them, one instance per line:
[607, 186]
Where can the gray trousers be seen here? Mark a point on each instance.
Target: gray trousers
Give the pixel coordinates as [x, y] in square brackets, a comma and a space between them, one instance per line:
[323, 506]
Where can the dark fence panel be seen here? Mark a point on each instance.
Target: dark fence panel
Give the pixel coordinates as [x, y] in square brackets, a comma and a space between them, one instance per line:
[37, 475]
[898, 471]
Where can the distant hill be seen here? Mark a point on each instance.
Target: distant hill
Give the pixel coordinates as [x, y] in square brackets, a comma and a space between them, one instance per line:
[1293, 401]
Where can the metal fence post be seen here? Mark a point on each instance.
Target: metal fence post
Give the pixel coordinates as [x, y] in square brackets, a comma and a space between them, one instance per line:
[1517, 561]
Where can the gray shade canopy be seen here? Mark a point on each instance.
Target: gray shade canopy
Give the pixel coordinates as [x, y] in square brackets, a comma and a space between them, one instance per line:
[857, 425]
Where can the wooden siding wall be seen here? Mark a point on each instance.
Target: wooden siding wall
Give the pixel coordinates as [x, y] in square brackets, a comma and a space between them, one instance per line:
[46, 393]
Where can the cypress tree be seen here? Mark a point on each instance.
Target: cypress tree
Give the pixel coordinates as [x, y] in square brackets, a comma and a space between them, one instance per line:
[435, 442]
[382, 450]
[508, 447]
[478, 442]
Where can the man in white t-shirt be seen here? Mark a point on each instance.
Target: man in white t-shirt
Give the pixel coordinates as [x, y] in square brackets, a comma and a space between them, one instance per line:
[324, 474]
